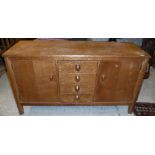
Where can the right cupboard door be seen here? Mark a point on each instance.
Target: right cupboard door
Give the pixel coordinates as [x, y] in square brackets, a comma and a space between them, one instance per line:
[117, 79]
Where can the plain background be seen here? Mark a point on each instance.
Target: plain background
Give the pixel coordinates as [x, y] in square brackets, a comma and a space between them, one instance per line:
[77, 19]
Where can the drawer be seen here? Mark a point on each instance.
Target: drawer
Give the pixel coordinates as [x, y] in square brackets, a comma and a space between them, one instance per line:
[73, 88]
[80, 98]
[78, 66]
[77, 78]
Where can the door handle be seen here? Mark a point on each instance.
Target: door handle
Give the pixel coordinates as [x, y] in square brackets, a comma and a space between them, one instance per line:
[51, 77]
[102, 78]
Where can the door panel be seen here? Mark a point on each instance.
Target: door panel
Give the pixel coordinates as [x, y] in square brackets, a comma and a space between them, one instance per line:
[36, 80]
[117, 79]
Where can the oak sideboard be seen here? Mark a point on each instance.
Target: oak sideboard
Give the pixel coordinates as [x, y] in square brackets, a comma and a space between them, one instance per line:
[59, 72]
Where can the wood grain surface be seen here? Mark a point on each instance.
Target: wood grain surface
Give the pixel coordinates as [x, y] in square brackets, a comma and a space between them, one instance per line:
[75, 73]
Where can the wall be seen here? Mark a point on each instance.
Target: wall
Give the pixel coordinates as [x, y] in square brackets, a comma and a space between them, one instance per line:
[137, 41]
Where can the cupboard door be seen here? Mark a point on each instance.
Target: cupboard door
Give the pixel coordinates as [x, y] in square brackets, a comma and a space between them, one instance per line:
[36, 80]
[116, 80]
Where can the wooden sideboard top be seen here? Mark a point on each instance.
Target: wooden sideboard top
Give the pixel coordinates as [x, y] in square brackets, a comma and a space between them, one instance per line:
[47, 48]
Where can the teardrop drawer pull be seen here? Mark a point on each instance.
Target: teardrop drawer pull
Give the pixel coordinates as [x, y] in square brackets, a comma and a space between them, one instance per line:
[77, 88]
[77, 97]
[77, 78]
[77, 67]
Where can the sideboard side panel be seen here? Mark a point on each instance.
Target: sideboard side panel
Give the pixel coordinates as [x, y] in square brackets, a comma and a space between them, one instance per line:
[13, 84]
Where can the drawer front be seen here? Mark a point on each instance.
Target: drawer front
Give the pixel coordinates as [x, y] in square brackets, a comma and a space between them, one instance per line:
[75, 88]
[80, 98]
[77, 78]
[77, 66]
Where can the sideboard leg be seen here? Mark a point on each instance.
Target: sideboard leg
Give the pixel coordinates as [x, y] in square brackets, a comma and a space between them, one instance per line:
[20, 109]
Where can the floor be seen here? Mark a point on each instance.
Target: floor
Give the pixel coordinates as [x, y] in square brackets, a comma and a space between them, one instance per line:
[8, 105]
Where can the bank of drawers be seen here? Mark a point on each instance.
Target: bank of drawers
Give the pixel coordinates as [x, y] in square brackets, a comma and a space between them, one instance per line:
[77, 81]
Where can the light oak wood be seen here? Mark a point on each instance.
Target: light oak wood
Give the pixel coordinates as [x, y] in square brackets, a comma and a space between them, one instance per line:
[77, 99]
[36, 80]
[13, 84]
[77, 78]
[77, 67]
[117, 79]
[74, 49]
[75, 73]
[72, 88]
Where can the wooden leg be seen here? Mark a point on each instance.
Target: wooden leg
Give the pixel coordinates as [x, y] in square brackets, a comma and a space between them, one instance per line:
[20, 109]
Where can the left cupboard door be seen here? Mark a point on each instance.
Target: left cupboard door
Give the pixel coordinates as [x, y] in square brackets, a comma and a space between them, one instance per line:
[37, 80]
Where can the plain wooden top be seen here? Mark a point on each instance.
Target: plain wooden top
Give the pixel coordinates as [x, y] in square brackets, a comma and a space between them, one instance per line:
[48, 48]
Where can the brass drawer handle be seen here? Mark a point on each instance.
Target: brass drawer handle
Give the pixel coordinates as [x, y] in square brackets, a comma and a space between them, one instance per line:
[77, 88]
[77, 67]
[77, 78]
[77, 97]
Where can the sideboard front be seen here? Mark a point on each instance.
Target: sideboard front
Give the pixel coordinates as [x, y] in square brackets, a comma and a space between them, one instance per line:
[75, 73]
